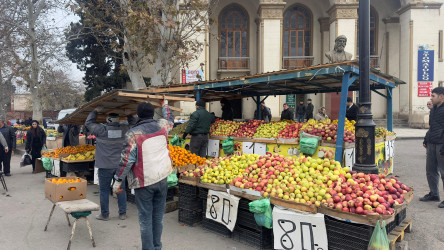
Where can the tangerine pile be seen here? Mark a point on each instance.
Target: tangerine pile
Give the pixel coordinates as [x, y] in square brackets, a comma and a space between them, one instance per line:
[70, 150]
[62, 180]
[183, 157]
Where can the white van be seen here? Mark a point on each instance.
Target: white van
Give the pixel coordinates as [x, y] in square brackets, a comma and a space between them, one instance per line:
[60, 116]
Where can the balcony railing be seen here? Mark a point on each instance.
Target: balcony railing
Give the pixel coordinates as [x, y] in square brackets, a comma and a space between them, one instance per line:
[295, 62]
[374, 61]
[234, 63]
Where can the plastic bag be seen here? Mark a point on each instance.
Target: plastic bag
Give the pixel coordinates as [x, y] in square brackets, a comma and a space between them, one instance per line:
[26, 160]
[172, 180]
[177, 141]
[262, 212]
[379, 239]
[308, 144]
[47, 163]
[228, 146]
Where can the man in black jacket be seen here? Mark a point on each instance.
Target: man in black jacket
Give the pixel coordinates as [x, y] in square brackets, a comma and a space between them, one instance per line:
[352, 110]
[5, 157]
[286, 114]
[309, 110]
[300, 111]
[433, 142]
[227, 111]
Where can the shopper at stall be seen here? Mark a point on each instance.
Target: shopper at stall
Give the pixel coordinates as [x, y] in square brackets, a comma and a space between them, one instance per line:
[199, 127]
[10, 137]
[227, 111]
[265, 113]
[146, 161]
[309, 110]
[352, 110]
[433, 142]
[70, 134]
[286, 114]
[35, 141]
[321, 115]
[110, 138]
[300, 111]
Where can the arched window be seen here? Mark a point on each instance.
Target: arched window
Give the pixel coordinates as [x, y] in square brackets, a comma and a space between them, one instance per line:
[297, 37]
[233, 33]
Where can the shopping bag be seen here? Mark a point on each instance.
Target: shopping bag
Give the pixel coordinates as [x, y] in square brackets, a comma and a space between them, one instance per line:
[172, 180]
[177, 141]
[47, 163]
[228, 146]
[379, 239]
[262, 212]
[26, 160]
[308, 144]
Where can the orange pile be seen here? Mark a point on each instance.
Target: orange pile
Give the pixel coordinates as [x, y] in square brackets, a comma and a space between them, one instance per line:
[62, 180]
[70, 150]
[183, 157]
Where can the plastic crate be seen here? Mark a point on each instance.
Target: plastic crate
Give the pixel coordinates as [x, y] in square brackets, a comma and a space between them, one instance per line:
[190, 203]
[400, 217]
[347, 235]
[216, 227]
[246, 220]
[188, 190]
[189, 217]
[262, 239]
[170, 194]
[203, 193]
[389, 227]
[244, 204]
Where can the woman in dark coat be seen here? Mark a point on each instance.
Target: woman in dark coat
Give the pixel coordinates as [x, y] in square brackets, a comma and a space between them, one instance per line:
[35, 141]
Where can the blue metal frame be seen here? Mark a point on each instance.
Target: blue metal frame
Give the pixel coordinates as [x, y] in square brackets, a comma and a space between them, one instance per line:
[347, 80]
[389, 109]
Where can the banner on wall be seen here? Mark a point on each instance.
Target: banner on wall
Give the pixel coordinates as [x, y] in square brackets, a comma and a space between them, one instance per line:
[189, 75]
[425, 89]
[425, 65]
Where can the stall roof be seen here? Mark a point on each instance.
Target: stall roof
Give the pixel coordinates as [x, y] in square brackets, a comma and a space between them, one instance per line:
[122, 102]
[310, 80]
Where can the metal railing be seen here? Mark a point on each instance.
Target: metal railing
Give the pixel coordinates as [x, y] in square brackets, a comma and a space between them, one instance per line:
[237, 63]
[374, 61]
[295, 62]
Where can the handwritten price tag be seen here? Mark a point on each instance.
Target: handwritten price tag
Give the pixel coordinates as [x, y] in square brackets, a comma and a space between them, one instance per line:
[222, 208]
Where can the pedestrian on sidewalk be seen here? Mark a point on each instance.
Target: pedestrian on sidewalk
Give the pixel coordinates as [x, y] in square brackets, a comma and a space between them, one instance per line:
[110, 139]
[433, 142]
[10, 137]
[147, 163]
[35, 141]
[429, 105]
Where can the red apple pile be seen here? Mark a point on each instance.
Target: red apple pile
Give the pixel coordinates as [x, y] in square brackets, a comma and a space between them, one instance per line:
[326, 131]
[366, 194]
[290, 131]
[247, 129]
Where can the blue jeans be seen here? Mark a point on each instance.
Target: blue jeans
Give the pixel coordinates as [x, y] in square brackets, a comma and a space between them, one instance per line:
[300, 118]
[105, 178]
[151, 202]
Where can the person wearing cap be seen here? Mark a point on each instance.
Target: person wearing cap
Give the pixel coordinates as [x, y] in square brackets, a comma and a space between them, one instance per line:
[5, 157]
[110, 139]
[352, 110]
[199, 127]
[146, 162]
[309, 110]
[35, 141]
[70, 134]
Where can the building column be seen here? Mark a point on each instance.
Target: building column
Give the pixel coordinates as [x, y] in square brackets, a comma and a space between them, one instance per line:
[419, 30]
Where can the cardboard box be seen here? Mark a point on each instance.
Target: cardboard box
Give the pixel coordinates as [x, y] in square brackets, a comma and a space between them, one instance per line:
[65, 191]
[39, 166]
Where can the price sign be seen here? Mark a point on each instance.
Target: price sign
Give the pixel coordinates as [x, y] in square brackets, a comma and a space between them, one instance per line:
[222, 208]
[213, 148]
[294, 230]
[248, 147]
[389, 149]
[55, 168]
[260, 148]
[96, 176]
[349, 157]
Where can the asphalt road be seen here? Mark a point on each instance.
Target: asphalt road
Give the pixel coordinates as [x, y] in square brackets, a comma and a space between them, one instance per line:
[24, 212]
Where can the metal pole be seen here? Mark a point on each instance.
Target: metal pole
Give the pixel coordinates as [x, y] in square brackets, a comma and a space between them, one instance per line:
[365, 127]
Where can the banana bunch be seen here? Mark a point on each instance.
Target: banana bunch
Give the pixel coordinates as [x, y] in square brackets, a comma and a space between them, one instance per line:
[81, 156]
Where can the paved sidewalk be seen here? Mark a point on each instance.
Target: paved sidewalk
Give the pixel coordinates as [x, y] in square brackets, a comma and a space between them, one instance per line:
[409, 133]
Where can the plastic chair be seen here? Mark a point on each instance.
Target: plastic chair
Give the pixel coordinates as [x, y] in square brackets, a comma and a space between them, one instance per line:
[2, 180]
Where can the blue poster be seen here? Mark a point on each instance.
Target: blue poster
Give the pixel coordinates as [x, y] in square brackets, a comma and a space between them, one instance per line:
[425, 65]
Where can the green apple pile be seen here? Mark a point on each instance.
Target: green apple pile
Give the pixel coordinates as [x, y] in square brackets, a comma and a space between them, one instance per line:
[271, 130]
[223, 128]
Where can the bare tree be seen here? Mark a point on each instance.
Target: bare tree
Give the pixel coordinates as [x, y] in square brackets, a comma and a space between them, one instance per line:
[157, 33]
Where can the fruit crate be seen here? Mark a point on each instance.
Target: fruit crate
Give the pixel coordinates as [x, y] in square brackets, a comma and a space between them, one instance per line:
[191, 203]
[188, 190]
[246, 220]
[400, 217]
[203, 193]
[347, 235]
[244, 204]
[189, 217]
[216, 227]
[170, 194]
[262, 239]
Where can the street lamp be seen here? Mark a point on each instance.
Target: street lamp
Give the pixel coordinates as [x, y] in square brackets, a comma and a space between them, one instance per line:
[365, 127]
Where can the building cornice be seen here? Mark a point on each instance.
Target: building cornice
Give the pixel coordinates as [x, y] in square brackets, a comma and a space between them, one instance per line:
[325, 23]
[271, 10]
[343, 11]
[391, 20]
[419, 5]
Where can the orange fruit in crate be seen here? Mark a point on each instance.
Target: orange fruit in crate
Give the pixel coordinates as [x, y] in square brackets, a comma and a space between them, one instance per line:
[183, 157]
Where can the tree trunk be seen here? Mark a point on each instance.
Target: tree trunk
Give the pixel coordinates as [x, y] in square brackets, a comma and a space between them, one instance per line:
[135, 74]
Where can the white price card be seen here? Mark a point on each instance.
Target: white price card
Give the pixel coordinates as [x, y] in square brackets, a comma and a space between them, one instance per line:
[222, 208]
[55, 168]
[392, 148]
[260, 148]
[248, 147]
[349, 157]
[96, 176]
[302, 231]
[213, 148]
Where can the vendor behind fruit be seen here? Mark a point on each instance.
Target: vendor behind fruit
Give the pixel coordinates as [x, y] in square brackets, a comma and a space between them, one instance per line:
[70, 134]
[199, 127]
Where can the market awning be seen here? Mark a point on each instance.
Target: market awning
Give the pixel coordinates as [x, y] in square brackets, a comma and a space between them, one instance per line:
[121, 102]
